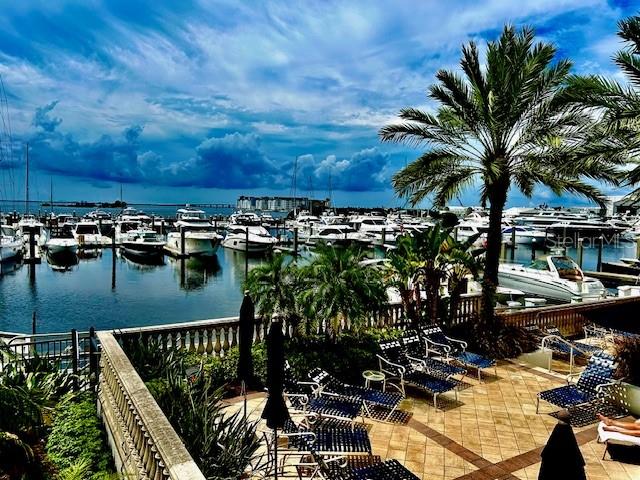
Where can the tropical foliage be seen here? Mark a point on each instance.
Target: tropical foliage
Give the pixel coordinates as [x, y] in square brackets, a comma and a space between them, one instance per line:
[499, 126]
[423, 261]
[333, 287]
[616, 106]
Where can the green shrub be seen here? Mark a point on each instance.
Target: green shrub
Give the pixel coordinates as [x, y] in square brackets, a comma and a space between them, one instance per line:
[628, 354]
[77, 435]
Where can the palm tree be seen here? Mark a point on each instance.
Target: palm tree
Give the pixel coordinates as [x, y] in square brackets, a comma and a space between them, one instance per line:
[618, 106]
[402, 268]
[497, 127]
[340, 290]
[273, 287]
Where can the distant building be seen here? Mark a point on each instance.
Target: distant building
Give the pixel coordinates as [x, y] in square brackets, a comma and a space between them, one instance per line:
[279, 204]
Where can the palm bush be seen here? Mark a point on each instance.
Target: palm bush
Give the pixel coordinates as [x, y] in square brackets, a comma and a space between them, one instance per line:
[339, 290]
[496, 128]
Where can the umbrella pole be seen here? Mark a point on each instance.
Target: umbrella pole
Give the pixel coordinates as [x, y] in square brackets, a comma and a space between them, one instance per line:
[275, 453]
[243, 391]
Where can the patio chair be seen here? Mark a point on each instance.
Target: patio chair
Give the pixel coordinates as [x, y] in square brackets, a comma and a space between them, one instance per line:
[454, 349]
[597, 375]
[306, 396]
[388, 470]
[369, 397]
[418, 351]
[558, 343]
[396, 365]
[326, 437]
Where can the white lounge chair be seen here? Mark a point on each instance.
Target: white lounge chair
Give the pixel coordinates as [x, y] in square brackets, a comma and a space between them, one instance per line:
[615, 438]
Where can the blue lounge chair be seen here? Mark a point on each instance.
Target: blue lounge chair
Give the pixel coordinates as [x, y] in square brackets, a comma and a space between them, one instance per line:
[336, 437]
[454, 349]
[369, 397]
[557, 343]
[418, 351]
[396, 365]
[597, 375]
[388, 470]
[307, 396]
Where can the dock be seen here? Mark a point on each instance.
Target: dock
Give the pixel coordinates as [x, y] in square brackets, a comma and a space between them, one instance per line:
[615, 279]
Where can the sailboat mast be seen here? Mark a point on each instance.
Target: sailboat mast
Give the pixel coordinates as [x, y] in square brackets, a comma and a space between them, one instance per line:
[295, 179]
[26, 202]
[51, 194]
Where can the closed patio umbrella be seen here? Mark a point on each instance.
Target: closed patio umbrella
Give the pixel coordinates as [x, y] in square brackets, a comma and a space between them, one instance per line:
[561, 457]
[275, 411]
[245, 341]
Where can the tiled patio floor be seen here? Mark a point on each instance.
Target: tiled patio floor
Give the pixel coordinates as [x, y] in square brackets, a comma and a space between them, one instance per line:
[492, 432]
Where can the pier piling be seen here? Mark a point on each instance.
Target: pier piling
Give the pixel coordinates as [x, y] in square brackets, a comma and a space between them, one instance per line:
[600, 244]
[533, 249]
[580, 251]
[246, 253]
[513, 244]
[295, 242]
[182, 241]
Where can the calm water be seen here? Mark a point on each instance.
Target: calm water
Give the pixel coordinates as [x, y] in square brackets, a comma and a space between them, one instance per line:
[84, 295]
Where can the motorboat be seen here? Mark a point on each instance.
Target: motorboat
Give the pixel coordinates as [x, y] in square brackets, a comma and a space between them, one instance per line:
[248, 227]
[143, 242]
[87, 234]
[102, 219]
[555, 277]
[62, 243]
[132, 215]
[463, 232]
[337, 235]
[123, 227]
[525, 235]
[28, 226]
[200, 237]
[11, 245]
[625, 266]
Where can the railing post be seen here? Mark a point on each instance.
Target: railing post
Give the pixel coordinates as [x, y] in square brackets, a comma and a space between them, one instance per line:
[74, 357]
[93, 359]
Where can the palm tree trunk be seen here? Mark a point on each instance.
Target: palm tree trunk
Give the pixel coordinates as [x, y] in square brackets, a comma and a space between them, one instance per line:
[497, 199]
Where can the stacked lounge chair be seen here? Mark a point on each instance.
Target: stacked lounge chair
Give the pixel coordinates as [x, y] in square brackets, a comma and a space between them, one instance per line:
[418, 351]
[398, 366]
[454, 349]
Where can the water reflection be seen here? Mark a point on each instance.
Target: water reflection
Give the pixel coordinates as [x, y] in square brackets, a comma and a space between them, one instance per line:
[195, 272]
[63, 262]
[141, 262]
[89, 253]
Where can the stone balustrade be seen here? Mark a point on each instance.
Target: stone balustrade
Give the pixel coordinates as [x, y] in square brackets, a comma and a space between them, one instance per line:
[144, 444]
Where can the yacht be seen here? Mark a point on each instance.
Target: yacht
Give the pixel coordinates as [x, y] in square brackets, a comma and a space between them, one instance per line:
[11, 245]
[248, 226]
[123, 227]
[464, 231]
[376, 229]
[143, 243]
[337, 235]
[525, 235]
[555, 277]
[200, 237]
[87, 233]
[132, 215]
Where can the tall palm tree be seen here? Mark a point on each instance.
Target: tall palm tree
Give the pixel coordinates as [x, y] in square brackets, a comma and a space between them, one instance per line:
[497, 127]
[339, 289]
[617, 105]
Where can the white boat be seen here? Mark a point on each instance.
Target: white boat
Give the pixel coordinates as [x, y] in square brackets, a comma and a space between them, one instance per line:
[102, 219]
[144, 243]
[11, 245]
[87, 234]
[555, 277]
[29, 225]
[337, 235]
[376, 229]
[123, 227]
[65, 244]
[464, 231]
[200, 237]
[132, 215]
[246, 227]
[525, 235]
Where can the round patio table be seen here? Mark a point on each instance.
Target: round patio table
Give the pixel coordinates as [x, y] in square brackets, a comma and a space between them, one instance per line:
[374, 376]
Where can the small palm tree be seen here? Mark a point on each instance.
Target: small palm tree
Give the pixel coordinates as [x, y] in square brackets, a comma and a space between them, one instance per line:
[273, 287]
[340, 290]
[498, 127]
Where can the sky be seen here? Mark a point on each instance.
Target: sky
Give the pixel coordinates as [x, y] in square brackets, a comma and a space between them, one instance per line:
[203, 101]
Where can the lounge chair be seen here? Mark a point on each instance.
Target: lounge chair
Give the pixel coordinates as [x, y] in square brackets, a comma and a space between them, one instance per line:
[396, 365]
[557, 343]
[369, 397]
[306, 396]
[454, 349]
[616, 438]
[388, 470]
[418, 351]
[591, 383]
[327, 437]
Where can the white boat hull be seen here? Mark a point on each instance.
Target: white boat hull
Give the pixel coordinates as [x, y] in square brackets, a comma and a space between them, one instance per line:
[56, 248]
[10, 249]
[194, 245]
[548, 288]
[239, 242]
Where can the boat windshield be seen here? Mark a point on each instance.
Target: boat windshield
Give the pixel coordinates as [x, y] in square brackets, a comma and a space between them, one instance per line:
[539, 265]
[373, 222]
[567, 268]
[8, 231]
[86, 229]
